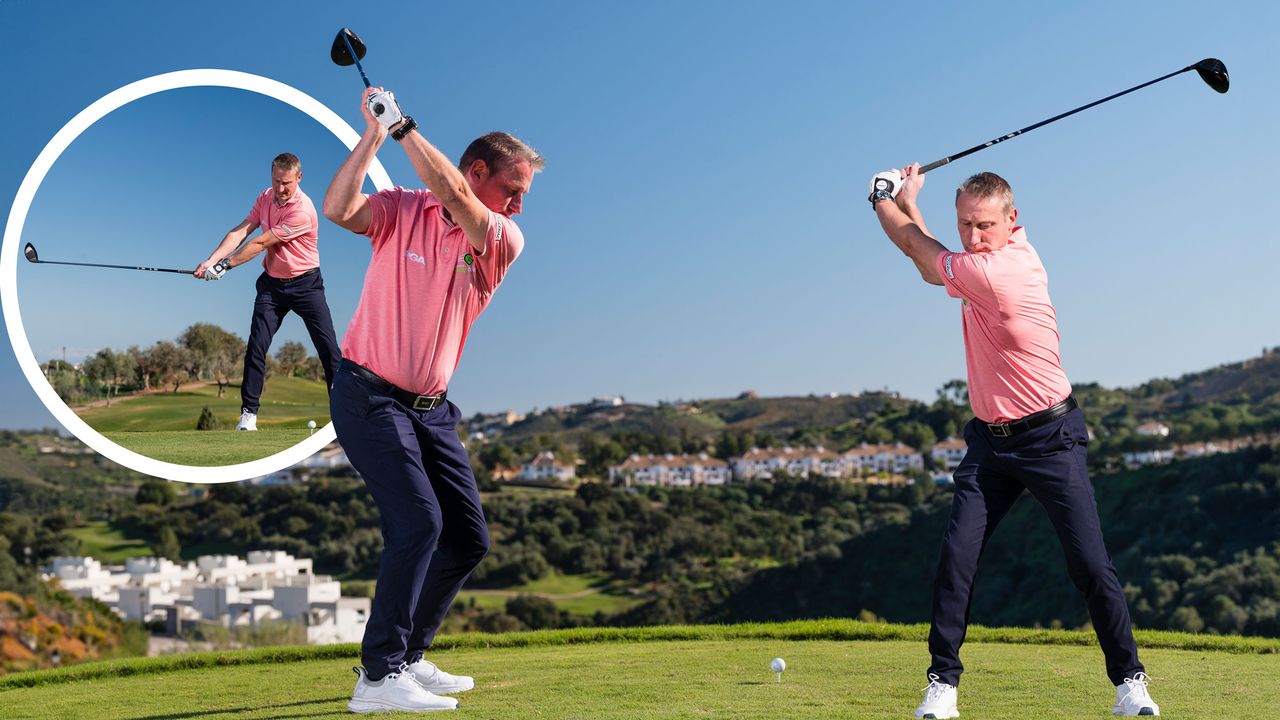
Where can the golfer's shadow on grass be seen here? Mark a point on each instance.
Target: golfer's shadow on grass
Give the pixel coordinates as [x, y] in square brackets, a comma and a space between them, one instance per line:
[306, 709]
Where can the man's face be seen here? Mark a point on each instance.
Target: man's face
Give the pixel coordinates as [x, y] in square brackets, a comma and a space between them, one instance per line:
[982, 222]
[284, 183]
[501, 191]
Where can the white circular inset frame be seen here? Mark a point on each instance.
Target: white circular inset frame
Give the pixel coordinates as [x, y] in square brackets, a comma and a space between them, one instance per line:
[13, 238]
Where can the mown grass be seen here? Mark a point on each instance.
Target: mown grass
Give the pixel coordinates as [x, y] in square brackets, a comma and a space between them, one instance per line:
[866, 671]
[208, 448]
[836, 630]
[105, 544]
[287, 402]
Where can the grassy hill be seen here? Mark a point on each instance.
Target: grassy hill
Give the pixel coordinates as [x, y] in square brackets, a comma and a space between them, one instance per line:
[703, 418]
[836, 668]
[287, 402]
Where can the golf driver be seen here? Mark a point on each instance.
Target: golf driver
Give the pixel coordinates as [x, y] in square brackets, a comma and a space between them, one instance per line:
[30, 252]
[1211, 70]
[348, 49]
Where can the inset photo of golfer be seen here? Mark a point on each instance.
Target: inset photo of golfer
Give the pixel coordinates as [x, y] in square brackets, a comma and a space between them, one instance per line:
[174, 292]
[619, 361]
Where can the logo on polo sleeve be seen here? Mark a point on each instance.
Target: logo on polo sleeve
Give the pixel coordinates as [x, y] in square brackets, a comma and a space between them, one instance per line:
[946, 263]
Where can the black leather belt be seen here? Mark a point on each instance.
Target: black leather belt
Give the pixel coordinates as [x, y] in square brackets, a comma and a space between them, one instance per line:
[312, 271]
[413, 400]
[1034, 420]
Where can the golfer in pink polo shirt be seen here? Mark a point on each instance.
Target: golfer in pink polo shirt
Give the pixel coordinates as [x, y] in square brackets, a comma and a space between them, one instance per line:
[438, 257]
[290, 279]
[1027, 433]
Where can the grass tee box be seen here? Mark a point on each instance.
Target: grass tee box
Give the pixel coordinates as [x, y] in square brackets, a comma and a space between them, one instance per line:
[286, 403]
[209, 448]
[835, 669]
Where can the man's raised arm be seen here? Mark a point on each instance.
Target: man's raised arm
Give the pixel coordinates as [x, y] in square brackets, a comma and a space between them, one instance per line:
[902, 222]
[344, 204]
[446, 181]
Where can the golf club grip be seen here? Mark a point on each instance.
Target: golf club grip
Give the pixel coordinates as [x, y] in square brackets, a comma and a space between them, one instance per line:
[939, 163]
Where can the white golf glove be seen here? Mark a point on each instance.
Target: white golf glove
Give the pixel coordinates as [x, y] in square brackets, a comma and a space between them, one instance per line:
[889, 181]
[217, 270]
[384, 107]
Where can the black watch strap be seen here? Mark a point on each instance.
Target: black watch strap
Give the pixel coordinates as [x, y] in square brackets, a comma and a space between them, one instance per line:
[879, 195]
[405, 128]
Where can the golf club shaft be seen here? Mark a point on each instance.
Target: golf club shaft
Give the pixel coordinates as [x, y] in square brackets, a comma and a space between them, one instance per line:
[939, 163]
[117, 267]
[359, 67]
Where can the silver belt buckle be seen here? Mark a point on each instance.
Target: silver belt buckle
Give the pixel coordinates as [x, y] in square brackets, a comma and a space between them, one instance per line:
[1000, 430]
[430, 402]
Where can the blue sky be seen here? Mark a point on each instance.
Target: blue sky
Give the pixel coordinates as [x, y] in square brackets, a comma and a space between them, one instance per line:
[701, 227]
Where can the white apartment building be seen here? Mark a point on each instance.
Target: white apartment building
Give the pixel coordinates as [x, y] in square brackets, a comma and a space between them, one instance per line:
[801, 462]
[671, 470]
[225, 589]
[896, 458]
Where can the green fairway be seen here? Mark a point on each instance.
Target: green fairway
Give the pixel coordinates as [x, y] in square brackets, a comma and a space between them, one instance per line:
[287, 402]
[602, 674]
[207, 448]
[575, 594]
[106, 545]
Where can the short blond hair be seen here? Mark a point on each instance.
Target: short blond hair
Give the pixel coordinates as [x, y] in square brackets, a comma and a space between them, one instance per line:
[986, 185]
[286, 162]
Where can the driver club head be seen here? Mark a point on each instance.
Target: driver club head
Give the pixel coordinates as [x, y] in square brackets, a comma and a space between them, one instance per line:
[340, 53]
[1214, 73]
[30, 252]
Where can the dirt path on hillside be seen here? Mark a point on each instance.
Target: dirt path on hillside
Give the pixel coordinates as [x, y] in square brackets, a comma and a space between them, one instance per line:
[145, 393]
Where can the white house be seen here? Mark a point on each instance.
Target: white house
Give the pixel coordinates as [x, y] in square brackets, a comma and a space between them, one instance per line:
[948, 453]
[1153, 429]
[1147, 457]
[546, 467]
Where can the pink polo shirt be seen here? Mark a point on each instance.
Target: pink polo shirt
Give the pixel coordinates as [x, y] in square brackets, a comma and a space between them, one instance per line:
[424, 288]
[1010, 329]
[296, 225]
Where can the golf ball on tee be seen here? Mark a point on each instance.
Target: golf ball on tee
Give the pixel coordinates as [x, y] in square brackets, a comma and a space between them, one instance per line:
[311, 424]
[778, 665]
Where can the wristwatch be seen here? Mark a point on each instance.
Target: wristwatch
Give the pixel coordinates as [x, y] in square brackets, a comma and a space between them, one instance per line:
[405, 128]
[879, 195]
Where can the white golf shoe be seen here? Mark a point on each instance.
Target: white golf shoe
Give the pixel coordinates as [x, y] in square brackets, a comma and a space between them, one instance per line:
[396, 691]
[939, 700]
[435, 680]
[1132, 697]
[248, 421]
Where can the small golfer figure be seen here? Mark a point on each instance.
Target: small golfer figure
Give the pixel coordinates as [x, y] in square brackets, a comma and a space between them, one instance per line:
[438, 257]
[290, 279]
[1027, 433]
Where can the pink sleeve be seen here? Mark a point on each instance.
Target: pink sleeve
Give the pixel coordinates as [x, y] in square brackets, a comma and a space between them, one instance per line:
[502, 245]
[296, 222]
[385, 206]
[255, 212]
[965, 276]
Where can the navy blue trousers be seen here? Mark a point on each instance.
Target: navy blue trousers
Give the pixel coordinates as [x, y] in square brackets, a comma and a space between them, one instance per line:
[1049, 462]
[303, 295]
[433, 529]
